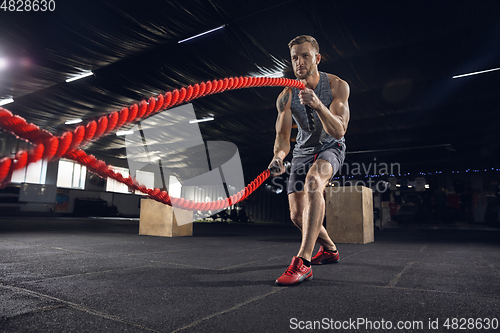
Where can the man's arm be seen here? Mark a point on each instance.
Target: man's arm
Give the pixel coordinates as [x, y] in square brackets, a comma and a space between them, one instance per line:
[335, 119]
[283, 129]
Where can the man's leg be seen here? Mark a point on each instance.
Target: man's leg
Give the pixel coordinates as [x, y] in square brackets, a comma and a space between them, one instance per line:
[297, 201]
[314, 208]
[307, 212]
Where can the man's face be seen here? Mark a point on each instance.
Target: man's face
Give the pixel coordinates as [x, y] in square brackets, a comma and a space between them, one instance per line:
[305, 60]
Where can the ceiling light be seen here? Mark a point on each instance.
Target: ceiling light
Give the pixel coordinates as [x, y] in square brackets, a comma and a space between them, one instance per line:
[121, 133]
[73, 121]
[203, 33]
[6, 101]
[274, 74]
[201, 120]
[80, 76]
[481, 72]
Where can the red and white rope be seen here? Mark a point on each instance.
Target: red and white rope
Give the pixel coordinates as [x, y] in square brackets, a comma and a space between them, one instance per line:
[49, 147]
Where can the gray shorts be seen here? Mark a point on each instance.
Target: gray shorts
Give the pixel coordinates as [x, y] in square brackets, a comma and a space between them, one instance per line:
[301, 165]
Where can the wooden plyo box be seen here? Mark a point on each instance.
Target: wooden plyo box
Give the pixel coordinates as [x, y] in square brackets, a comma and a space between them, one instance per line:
[157, 219]
[349, 214]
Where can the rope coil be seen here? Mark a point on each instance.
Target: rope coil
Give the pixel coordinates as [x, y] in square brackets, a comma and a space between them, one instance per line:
[50, 147]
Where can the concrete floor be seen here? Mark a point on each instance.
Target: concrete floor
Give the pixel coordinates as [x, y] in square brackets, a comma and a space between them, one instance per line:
[99, 275]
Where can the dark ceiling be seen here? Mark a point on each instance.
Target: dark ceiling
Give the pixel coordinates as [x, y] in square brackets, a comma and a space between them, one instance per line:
[398, 57]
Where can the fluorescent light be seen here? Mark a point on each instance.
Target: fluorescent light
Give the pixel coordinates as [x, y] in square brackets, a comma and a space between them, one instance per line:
[80, 76]
[481, 72]
[275, 74]
[121, 133]
[6, 101]
[73, 121]
[266, 72]
[427, 186]
[203, 33]
[201, 120]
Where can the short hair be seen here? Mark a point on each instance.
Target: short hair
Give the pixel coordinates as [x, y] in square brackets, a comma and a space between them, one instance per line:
[302, 39]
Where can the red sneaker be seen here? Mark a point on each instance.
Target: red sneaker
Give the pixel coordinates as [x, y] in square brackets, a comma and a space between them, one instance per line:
[296, 273]
[325, 257]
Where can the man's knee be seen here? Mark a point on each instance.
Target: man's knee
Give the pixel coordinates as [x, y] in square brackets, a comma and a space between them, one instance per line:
[314, 183]
[318, 176]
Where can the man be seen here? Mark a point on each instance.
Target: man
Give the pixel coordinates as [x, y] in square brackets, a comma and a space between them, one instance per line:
[318, 154]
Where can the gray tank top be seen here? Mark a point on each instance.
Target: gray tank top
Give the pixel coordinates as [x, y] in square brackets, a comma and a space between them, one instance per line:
[307, 142]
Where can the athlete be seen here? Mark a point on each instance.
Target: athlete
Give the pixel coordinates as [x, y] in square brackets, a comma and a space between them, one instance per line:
[321, 112]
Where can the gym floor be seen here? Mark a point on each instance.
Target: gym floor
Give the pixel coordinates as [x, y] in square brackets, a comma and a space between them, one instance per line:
[99, 275]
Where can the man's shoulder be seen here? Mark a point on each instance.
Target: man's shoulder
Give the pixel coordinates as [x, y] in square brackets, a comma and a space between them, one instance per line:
[285, 93]
[336, 82]
[284, 98]
[334, 79]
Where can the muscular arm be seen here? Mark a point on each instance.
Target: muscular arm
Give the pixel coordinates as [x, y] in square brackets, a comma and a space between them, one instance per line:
[283, 126]
[336, 118]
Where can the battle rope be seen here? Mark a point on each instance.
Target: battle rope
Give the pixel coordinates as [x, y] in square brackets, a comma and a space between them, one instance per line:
[49, 147]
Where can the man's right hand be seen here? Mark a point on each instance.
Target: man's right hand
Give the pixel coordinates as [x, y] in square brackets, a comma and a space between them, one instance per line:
[276, 167]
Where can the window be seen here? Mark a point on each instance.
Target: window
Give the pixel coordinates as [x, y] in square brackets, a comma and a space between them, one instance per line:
[174, 187]
[145, 178]
[71, 174]
[34, 173]
[115, 186]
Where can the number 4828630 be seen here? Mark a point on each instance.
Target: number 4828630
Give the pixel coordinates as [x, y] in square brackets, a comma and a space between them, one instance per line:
[28, 5]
